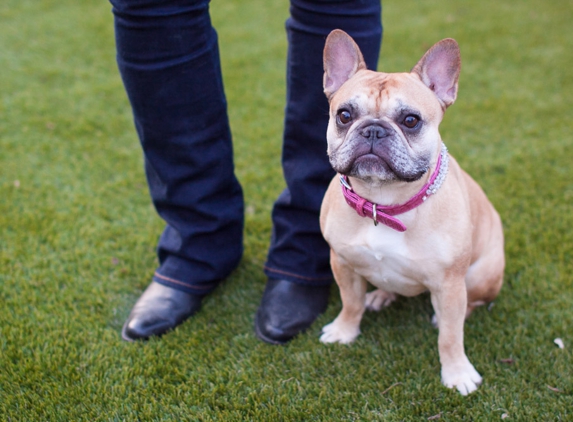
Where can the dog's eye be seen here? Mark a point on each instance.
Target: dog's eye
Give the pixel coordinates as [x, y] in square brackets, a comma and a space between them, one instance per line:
[344, 116]
[410, 121]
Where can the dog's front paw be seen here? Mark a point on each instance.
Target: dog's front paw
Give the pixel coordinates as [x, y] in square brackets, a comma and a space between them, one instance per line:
[378, 299]
[464, 377]
[339, 332]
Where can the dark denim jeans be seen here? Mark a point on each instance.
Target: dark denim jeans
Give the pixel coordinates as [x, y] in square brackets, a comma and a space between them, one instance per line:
[168, 57]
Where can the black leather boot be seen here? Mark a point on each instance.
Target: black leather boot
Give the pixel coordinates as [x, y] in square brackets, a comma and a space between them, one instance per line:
[287, 309]
[158, 310]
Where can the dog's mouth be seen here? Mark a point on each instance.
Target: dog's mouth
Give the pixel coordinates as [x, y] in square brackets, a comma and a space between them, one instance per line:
[386, 159]
[371, 164]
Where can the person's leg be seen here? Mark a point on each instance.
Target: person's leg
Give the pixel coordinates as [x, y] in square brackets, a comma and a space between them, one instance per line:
[298, 260]
[168, 58]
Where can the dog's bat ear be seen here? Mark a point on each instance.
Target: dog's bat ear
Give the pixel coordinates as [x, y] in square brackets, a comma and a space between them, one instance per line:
[439, 70]
[342, 59]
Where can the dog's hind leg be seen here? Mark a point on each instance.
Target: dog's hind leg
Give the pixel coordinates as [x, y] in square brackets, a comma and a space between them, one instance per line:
[484, 280]
[485, 274]
[378, 299]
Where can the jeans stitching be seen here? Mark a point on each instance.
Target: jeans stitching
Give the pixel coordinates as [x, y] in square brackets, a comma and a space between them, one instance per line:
[172, 280]
[296, 275]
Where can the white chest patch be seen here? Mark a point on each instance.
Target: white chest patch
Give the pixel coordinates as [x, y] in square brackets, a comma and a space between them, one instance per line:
[382, 256]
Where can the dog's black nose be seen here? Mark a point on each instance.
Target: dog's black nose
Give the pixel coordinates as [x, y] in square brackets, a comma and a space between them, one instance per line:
[374, 132]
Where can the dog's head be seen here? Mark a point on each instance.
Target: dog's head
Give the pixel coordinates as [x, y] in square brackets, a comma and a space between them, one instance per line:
[384, 126]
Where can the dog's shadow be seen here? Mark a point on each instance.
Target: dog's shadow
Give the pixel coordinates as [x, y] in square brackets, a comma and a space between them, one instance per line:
[406, 322]
[402, 313]
[403, 318]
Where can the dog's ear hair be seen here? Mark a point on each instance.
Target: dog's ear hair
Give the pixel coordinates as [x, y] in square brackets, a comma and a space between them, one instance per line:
[342, 59]
[439, 70]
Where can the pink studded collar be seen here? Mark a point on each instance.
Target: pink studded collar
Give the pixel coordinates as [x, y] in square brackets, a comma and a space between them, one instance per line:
[384, 213]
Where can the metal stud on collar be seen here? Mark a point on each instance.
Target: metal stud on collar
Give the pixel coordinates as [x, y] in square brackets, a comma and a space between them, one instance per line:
[374, 214]
[344, 183]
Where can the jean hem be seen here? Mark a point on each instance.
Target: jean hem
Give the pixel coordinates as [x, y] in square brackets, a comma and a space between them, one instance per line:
[297, 278]
[200, 290]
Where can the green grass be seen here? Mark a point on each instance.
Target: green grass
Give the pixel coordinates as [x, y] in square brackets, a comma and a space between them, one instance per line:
[77, 230]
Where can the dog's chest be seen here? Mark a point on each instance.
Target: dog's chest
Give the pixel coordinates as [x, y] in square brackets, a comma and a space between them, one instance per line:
[386, 259]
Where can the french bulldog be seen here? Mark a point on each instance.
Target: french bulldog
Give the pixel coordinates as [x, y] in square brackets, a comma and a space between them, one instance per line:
[401, 213]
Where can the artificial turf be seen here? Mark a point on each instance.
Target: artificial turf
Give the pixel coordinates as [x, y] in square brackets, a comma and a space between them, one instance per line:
[77, 230]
